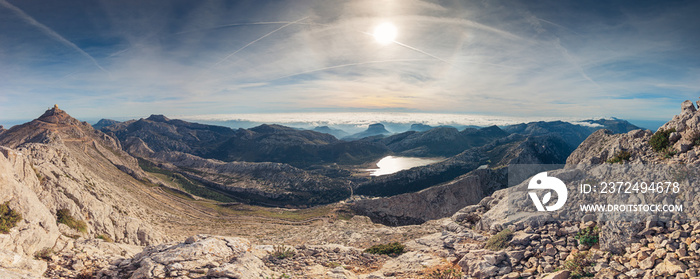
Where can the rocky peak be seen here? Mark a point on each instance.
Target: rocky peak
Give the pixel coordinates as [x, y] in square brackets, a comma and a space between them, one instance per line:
[377, 128]
[104, 123]
[604, 146]
[271, 129]
[158, 118]
[419, 127]
[57, 116]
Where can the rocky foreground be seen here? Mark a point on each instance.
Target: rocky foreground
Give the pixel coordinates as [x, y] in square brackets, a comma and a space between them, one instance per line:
[548, 251]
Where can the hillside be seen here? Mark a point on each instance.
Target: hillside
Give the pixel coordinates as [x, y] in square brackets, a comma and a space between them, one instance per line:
[573, 134]
[441, 141]
[163, 134]
[514, 149]
[264, 143]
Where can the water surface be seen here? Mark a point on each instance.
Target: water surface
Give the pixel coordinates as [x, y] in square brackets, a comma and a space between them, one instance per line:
[392, 164]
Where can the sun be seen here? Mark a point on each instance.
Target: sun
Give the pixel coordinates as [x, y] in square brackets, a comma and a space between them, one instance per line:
[385, 33]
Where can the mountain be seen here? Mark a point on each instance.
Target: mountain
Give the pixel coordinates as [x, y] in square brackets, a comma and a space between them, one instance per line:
[338, 133]
[573, 134]
[376, 129]
[301, 148]
[441, 141]
[267, 183]
[264, 143]
[418, 127]
[57, 163]
[163, 134]
[176, 147]
[104, 123]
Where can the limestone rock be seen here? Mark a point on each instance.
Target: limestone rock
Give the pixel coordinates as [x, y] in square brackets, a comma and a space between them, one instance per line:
[602, 146]
[13, 262]
[215, 256]
[563, 274]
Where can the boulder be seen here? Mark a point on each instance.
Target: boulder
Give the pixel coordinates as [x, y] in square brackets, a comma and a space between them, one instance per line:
[215, 256]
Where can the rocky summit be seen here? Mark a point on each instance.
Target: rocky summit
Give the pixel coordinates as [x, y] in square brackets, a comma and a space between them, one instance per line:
[76, 203]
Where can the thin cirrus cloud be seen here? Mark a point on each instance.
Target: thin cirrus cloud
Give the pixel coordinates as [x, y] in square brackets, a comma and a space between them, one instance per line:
[515, 59]
[49, 32]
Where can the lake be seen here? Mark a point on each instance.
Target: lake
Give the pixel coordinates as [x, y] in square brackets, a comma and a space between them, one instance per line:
[392, 164]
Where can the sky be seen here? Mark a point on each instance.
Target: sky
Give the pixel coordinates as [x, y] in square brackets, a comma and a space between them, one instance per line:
[548, 59]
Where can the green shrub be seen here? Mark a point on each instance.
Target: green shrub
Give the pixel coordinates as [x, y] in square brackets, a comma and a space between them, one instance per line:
[44, 254]
[588, 236]
[659, 141]
[392, 249]
[620, 157]
[282, 252]
[104, 237]
[499, 240]
[332, 264]
[448, 273]
[8, 217]
[668, 152]
[577, 264]
[64, 216]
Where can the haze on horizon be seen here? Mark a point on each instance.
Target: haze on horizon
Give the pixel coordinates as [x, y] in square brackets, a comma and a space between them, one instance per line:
[551, 59]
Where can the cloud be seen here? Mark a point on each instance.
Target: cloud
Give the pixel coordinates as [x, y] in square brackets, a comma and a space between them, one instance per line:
[516, 59]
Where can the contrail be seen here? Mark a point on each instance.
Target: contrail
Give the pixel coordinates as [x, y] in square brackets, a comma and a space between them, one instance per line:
[258, 39]
[423, 52]
[234, 24]
[578, 67]
[48, 31]
[347, 65]
[412, 48]
[558, 25]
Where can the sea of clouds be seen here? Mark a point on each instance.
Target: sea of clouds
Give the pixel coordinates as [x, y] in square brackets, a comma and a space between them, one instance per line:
[357, 121]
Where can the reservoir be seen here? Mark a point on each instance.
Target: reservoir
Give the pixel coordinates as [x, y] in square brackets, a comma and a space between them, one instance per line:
[392, 164]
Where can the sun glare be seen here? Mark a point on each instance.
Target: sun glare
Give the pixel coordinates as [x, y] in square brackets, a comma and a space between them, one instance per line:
[385, 33]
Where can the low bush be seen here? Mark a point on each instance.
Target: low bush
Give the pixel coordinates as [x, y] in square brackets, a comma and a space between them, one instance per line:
[499, 240]
[659, 141]
[104, 237]
[63, 216]
[668, 152]
[392, 249]
[8, 217]
[282, 252]
[577, 264]
[447, 273]
[620, 157]
[588, 236]
[44, 254]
